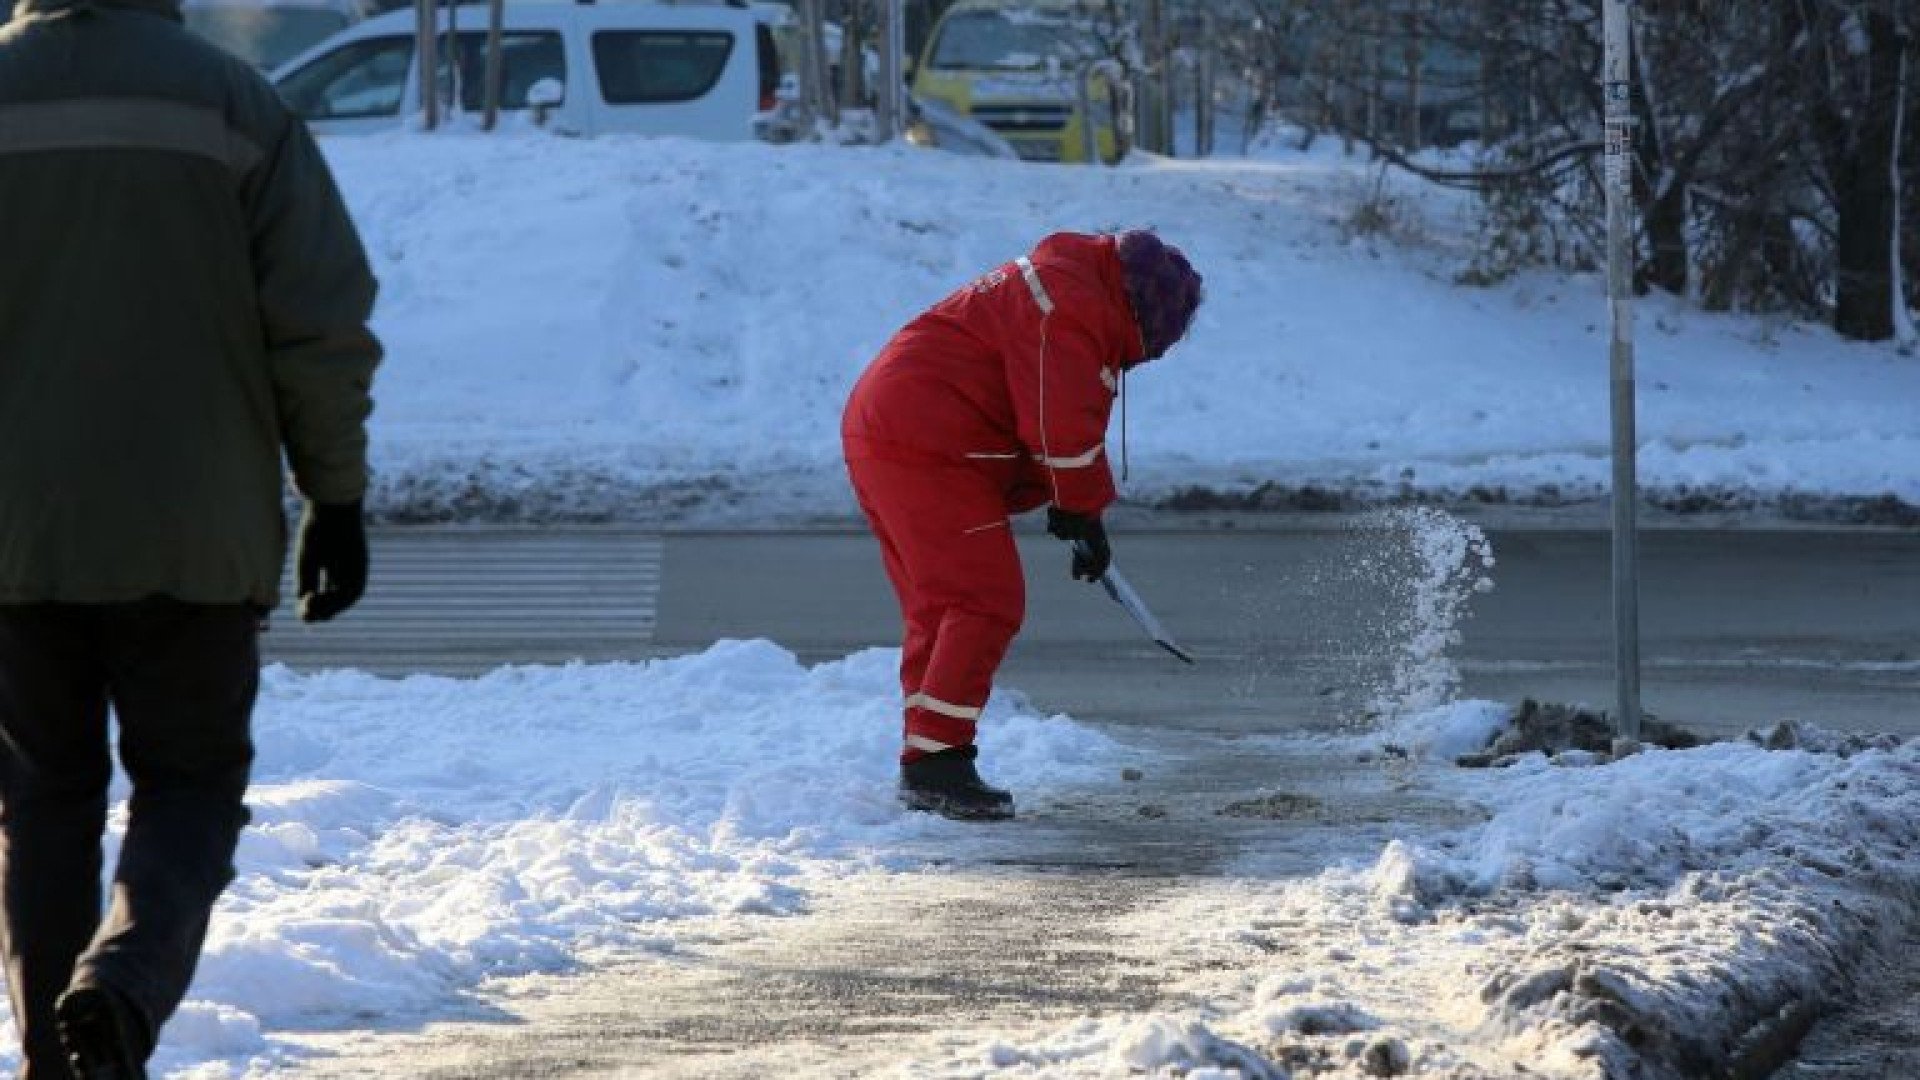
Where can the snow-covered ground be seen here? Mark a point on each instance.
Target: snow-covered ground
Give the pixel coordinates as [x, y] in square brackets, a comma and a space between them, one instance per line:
[415, 839]
[662, 331]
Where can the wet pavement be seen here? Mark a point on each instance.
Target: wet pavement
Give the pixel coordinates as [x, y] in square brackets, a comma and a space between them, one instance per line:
[1294, 627]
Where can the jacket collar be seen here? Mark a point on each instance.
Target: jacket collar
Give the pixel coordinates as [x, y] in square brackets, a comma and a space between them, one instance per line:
[27, 8]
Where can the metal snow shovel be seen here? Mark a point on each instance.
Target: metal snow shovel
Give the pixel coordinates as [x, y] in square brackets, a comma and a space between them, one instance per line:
[1122, 592]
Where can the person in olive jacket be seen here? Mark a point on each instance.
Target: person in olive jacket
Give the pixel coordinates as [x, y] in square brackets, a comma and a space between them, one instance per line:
[183, 301]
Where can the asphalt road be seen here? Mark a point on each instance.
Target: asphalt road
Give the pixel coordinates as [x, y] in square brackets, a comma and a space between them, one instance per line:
[1297, 624]
[1302, 626]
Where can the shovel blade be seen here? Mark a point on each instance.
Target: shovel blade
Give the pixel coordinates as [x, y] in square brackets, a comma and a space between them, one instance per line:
[1123, 594]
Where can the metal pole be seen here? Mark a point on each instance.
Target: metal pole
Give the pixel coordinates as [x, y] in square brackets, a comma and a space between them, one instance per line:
[891, 99]
[496, 14]
[1618, 83]
[425, 31]
[454, 97]
[1155, 83]
[1204, 84]
[853, 68]
[815, 92]
[1168, 87]
[1089, 138]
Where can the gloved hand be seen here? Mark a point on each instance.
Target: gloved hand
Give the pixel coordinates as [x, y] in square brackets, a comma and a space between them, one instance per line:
[330, 560]
[1091, 552]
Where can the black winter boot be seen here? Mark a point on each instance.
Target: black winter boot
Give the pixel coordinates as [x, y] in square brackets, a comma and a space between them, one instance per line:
[946, 783]
[103, 1037]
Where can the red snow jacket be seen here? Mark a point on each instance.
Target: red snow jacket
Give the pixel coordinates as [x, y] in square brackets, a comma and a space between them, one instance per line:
[1014, 374]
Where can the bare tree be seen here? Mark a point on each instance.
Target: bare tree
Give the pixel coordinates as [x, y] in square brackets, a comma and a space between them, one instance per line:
[1776, 150]
[1854, 61]
[1909, 231]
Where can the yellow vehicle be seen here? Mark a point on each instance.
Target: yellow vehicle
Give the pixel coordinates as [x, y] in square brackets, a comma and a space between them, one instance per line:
[1030, 70]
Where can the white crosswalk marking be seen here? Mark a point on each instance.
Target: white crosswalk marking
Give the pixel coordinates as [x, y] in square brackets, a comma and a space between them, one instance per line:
[460, 601]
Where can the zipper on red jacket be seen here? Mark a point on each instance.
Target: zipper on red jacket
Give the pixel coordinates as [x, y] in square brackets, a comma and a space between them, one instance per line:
[1040, 296]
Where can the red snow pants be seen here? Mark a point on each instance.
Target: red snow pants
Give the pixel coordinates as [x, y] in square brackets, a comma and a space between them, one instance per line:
[949, 551]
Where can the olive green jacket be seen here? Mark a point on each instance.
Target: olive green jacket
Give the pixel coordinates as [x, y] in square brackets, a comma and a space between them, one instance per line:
[183, 299]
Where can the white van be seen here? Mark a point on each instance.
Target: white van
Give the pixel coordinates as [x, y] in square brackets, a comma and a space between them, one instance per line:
[702, 71]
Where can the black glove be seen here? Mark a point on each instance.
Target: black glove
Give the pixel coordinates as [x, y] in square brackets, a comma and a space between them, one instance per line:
[1091, 552]
[330, 560]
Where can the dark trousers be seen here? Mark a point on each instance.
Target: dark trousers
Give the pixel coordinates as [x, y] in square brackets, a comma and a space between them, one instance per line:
[181, 681]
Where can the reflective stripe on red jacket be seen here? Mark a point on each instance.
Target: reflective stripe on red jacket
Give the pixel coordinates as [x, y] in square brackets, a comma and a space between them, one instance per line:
[1014, 373]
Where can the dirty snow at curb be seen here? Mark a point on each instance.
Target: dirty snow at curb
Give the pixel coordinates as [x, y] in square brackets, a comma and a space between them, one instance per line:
[1648, 918]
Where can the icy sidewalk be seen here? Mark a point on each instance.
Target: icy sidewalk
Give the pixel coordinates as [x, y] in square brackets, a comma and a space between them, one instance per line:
[1306, 907]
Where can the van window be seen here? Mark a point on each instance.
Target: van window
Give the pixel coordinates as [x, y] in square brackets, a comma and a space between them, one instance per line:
[991, 41]
[526, 57]
[640, 66]
[361, 78]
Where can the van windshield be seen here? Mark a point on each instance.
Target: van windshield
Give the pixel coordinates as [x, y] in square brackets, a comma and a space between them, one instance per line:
[265, 37]
[997, 41]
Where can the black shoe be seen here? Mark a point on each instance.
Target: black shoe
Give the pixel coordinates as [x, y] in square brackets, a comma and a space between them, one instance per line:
[947, 784]
[102, 1035]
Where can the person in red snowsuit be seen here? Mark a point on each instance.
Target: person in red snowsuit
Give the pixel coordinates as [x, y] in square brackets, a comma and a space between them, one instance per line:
[995, 402]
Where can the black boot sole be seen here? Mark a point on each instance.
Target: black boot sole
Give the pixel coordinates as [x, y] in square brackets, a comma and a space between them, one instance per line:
[929, 802]
[95, 1039]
